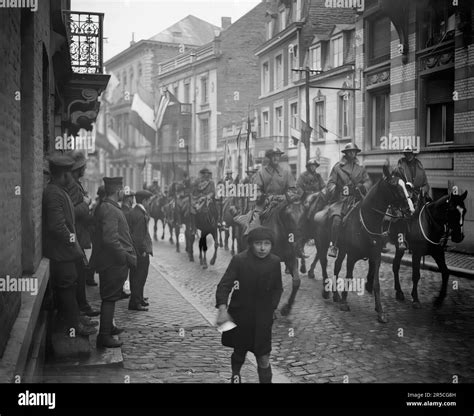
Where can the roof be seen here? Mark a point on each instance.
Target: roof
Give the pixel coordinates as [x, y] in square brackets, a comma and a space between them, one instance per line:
[191, 31]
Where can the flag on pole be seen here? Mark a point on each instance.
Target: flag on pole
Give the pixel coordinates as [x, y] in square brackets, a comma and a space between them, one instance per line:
[305, 134]
[142, 114]
[144, 164]
[247, 141]
[167, 102]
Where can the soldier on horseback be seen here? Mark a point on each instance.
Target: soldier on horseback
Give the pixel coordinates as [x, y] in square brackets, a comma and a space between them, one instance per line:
[203, 192]
[347, 184]
[415, 175]
[154, 187]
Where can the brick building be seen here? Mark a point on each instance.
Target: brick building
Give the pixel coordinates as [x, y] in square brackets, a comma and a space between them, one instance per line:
[217, 83]
[47, 91]
[416, 61]
[134, 69]
[294, 29]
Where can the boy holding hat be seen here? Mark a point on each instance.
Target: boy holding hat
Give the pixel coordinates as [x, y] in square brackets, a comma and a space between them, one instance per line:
[254, 279]
[138, 219]
[60, 243]
[116, 255]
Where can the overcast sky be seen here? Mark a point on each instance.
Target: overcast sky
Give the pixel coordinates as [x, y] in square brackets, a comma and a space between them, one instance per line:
[149, 17]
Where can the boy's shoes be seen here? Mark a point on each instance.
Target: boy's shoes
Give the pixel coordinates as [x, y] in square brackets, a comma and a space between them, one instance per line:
[86, 321]
[145, 303]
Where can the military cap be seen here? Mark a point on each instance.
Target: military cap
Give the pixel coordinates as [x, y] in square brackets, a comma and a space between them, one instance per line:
[350, 146]
[113, 184]
[79, 159]
[409, 149]
[62, 161]
[252, 169]
[205, 170]
[129, 193]
[275, 151]
[313, 162]
[143, 194]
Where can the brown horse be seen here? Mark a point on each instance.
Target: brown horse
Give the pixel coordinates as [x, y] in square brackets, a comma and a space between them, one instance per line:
[427, 234]
[361, 238]
[155, 208]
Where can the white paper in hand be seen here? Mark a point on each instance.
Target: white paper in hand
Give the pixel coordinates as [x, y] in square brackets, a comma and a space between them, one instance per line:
[226, 326]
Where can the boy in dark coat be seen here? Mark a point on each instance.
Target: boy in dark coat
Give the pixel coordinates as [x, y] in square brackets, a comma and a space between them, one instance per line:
[254, 279]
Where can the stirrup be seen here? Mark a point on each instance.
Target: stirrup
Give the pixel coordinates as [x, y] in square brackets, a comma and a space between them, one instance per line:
[333, 251]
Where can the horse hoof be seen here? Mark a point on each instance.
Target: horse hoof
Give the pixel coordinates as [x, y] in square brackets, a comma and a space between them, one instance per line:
[416, 305]
[212, 262]
[344, 307]
[437, 303]
[287, 270]
[221, 245]
[400, 296]
[162, 237]
[302, 270]
[232, 252]
[368, 288]
[382, 318]
[325, 294]
[226, 248]
[204, 266]
[310, 274]
[336, 297]
[285, 310]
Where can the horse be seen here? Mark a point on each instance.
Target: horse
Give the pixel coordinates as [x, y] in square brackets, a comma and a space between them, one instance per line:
[427, 234]
[205, 220]
[155, 208]
[227, 211]
[361, 237]
[283, 220]
[174, 214]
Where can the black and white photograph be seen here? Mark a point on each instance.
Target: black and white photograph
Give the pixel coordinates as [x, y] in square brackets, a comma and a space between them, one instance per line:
[218, 192]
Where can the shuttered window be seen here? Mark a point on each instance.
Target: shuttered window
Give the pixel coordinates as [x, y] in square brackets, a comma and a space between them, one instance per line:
[379, 40]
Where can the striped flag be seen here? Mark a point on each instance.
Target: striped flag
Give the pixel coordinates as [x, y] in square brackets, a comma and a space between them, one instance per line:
[167, 102]
[142, 115]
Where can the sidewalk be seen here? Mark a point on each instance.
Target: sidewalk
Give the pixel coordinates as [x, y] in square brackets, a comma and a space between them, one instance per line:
[459, 264]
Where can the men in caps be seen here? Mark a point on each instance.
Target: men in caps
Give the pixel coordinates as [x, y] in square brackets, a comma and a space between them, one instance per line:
[116, 255]
[138, 219]
[61, 244]
[348, 183]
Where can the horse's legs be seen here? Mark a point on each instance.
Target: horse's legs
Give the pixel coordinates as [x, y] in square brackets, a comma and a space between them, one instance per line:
[163, 233]
[322, 252]
[203, 250]
[226, 238]
[214, 237]
[176, 234]
[189, 234]
[232, 250]
[369, 285]
[415, 264]
[337, 270]
[313, 264]
[219, 232]
[155, 229]
[351, 261]
[303, 265]
[439, 257]
[397, 260]
[296, 281]
[376, 255]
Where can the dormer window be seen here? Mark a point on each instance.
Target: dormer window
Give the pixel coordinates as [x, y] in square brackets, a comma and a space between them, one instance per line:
[296, 10]
[337, 51]
[282, 19]
[315, 57]
[269, 29]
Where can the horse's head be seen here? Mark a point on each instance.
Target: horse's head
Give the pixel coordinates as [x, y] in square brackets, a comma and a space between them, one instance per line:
[455, 215]
[395, 190]
[292, 212]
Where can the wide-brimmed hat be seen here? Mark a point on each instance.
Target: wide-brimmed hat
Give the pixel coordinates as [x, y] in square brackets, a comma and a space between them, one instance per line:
[350, 146]
[143, 194]
[79, 159]
[113, 184]
[205, 170]
[275, 151]
[313, 162]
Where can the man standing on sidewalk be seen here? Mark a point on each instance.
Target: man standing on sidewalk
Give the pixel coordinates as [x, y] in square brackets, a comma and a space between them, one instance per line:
[81, 202]
[254, 279]
[60, 243]
[116, 256]
[138, 219]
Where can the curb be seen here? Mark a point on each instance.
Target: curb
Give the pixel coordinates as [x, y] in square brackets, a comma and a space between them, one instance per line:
[430, 265]
[278, 376]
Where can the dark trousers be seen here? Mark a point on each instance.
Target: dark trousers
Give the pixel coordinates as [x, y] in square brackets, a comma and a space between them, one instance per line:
[64, 280]
[111, 282]
[81, 285]
[138, 276]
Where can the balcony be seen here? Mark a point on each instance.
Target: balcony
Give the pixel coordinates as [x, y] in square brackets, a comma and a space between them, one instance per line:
[86, 81]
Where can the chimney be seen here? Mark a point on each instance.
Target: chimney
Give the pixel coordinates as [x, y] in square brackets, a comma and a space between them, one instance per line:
[226, 22]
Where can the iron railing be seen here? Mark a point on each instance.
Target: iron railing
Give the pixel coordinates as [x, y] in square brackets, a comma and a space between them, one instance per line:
[85, 35]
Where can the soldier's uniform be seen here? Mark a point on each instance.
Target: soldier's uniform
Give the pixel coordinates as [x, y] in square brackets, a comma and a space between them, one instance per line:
[348, 183]
[309, 182]
[414, 173]
[203, 192]
[154, 188]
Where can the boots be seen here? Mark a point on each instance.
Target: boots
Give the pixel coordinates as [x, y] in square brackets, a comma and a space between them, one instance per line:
[333, 250]
[265, 375]
[105, 338]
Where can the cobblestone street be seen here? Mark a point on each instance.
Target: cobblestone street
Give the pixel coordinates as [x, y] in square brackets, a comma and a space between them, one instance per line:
[175, 342]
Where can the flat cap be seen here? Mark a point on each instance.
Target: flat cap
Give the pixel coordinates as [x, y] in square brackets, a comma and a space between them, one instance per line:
[205, 170]
[143, 194]
[261, 233]
[61, 161]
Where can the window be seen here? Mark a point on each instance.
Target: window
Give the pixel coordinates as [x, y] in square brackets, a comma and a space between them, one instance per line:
[186, 93]
[380, 116]
[282, 19]
[294, 63]
[176, 90]
[124, 77]
[336, 45]
[378, 40]
[269, 27]
[278, 72]
[132, 81]
[294, 115]
[279, 121]
[319, 119]
[204, 134]
[265, 78]
[440, 108]
[315, 56]
[437, 24]
[296, 8]
[204, 90]
[344, 114]
[265, 124]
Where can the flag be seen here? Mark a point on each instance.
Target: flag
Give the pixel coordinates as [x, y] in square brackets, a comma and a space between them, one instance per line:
[114, 139]
[249, 132]
[112, 93]
[238, 140]
[167, 102]
[144, 164]
[142, 115]
[305, 134]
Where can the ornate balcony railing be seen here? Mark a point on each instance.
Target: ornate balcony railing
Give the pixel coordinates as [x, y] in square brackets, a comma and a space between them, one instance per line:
[85, 33]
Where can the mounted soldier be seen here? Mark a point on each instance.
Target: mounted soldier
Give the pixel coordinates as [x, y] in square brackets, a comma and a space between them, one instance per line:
[203, 192]
[415, 175]
[310, 181]
[154, 187]
[348, 183]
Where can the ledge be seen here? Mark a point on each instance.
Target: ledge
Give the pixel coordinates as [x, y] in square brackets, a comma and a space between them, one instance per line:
[15, 357]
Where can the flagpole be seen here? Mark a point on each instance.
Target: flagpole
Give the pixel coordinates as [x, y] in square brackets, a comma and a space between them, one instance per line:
[248, 138]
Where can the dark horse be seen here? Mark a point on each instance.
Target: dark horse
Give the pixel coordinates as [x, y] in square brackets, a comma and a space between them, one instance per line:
[155, 208]
[205, 220]
[174, 213]
[283, 220]
[228, 209]
[361, 237]
[431, 224]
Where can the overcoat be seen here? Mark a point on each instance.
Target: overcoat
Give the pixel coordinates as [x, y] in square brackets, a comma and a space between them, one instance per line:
[82, 213]
[256, 288]
[274, 181]
[308, 183]
[415, 173]
[138, 221]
